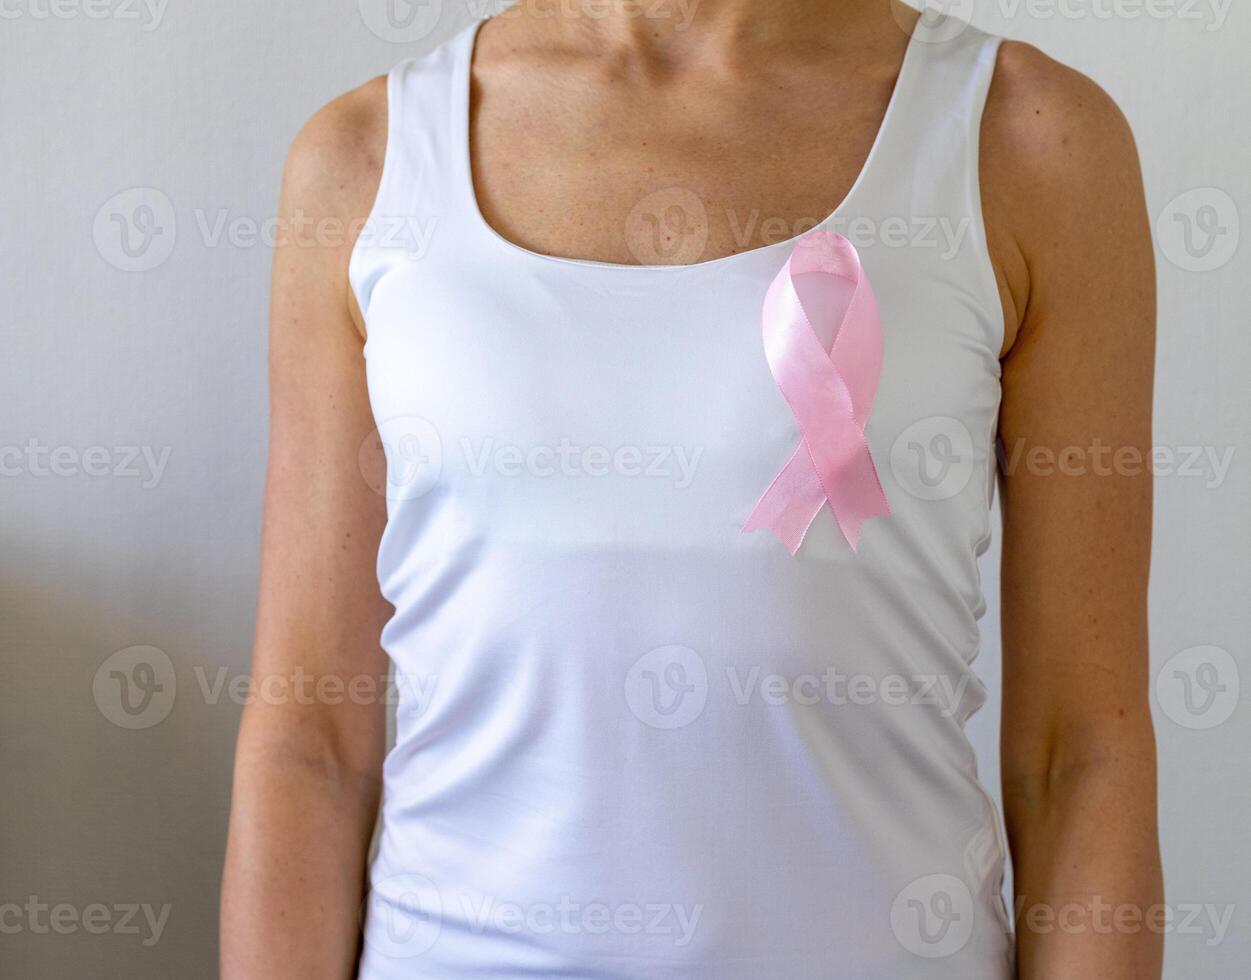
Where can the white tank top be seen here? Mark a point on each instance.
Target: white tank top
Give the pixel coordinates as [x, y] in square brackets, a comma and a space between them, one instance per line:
[633, 741]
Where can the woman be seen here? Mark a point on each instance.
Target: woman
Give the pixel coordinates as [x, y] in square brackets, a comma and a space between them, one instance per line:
[678, 536]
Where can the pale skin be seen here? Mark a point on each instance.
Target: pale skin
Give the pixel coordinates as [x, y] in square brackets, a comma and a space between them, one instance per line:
[575, 120]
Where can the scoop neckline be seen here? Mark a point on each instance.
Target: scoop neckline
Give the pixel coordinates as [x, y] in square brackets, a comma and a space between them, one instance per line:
[462, 109]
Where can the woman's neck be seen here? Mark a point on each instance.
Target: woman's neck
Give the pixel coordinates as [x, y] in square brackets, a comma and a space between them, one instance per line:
[724, 32]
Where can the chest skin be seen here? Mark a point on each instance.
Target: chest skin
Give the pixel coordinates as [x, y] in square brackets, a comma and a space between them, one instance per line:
[585, 156]
[579, 157]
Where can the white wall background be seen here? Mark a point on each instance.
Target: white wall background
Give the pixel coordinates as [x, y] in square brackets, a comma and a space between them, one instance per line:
[102, 552]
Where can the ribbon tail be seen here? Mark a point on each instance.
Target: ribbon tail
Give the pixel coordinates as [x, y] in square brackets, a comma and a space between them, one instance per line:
[857, 496]
[795, 498]
[790, 504]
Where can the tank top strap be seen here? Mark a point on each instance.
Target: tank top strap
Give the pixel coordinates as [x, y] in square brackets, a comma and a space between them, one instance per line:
[414, 205]
[921, 193]
[425, 98]
[927, 149]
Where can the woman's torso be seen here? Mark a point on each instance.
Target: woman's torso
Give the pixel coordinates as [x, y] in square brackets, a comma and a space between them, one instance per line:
[633, 740]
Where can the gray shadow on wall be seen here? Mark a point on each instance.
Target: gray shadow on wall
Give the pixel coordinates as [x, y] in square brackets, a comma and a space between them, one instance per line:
[112, 819]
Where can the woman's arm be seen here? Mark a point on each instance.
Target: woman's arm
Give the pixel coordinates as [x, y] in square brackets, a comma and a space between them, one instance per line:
[308, 769]
[1078, 750]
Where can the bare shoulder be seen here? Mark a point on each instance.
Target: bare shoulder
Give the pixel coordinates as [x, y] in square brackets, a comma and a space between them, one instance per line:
[1059, 169]
[328, 188]
[335, 162]
[1053, 121]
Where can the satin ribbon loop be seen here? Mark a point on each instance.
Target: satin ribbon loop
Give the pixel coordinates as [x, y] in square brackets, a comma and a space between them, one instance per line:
[830, 393]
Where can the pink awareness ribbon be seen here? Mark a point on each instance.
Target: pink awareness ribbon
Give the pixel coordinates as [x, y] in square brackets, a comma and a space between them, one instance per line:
[830, 393]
